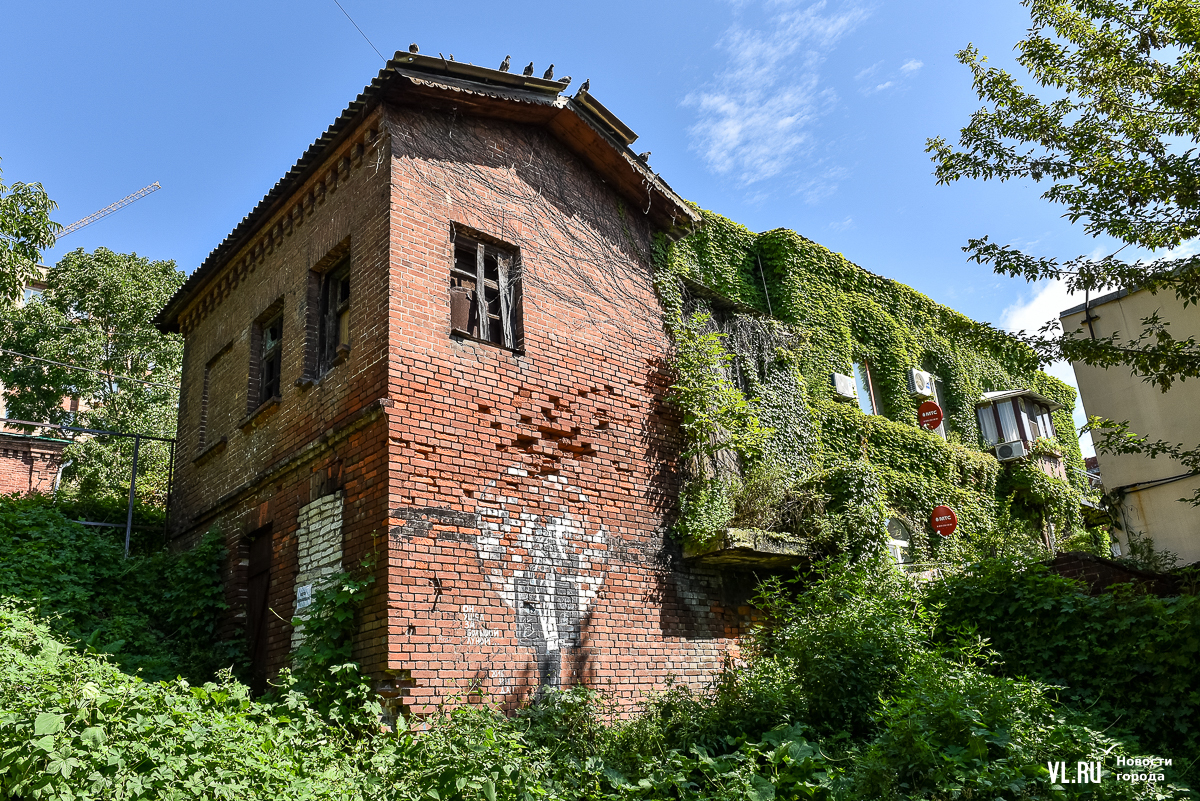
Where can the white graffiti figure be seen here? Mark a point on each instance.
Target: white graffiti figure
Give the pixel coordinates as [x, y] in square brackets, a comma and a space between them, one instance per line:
[548, 569]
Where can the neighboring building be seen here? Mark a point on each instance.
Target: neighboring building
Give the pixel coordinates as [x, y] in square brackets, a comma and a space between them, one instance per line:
[1147, 491]
[28, 463]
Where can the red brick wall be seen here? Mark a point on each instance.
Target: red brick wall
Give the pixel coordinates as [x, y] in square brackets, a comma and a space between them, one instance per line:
[28, 464]
[530, 491]
[250, 471]
[517, 502]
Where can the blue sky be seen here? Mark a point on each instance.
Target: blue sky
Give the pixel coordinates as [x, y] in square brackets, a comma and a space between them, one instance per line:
[811, 116]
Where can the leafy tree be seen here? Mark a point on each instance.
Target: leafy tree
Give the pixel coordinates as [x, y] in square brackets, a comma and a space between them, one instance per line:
[91, 331]
[25, 230]
[1113, 130]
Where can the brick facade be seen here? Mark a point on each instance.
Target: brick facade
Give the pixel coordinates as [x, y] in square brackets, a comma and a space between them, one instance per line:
[28, 464]
[515, 500]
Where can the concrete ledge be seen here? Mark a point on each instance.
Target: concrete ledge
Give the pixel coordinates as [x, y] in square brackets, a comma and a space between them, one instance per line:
[749, 547]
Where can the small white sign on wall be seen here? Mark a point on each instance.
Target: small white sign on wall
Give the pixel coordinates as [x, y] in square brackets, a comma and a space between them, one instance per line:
[303, 596]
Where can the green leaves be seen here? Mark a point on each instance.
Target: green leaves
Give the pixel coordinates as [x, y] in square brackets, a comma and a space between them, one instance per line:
[1130, 659]
[1115, 130]
[95, 314]
[156, 613]
[25, 230]
[716, 415]
[47, 723]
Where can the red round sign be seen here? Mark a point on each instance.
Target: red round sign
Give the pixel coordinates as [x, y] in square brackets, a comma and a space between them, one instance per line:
[929, 415]
[943, 520]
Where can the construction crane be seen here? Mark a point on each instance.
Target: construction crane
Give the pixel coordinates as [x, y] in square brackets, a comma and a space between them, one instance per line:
[107, 210]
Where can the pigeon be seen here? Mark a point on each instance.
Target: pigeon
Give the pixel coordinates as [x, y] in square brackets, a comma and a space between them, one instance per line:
[412, 48]
[528, 70]
[451, 56]
[548, 75]
[565, 81]
[504, 64]
[587, 84]
[644, 157]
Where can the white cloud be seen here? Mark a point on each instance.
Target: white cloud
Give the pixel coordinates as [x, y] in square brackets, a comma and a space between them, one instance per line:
[1029, 314]
[844, 225]
[894, 81]
[753, 118]
[868, 71]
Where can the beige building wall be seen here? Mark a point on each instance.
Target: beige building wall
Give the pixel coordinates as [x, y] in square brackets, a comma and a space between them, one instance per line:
[1151, 488]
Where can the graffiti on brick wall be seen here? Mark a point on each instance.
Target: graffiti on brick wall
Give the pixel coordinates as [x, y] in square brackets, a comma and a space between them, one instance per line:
[477, 633]
[546, 568]
[319, 551]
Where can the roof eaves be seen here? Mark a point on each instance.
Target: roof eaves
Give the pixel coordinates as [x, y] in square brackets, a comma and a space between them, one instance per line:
[1100, 301]
[989, 397]
[435, 73]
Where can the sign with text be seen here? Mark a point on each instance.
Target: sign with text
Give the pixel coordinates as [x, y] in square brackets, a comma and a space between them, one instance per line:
[929, 415]
[943, 520]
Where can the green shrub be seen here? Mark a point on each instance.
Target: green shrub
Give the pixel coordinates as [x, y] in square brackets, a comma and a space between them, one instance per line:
[1132, 660]
[953, 731]
[156, 613]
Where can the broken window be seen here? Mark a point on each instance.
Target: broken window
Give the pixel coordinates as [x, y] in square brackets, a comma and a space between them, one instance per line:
[334, 345]
[266, 358]
[485, 293]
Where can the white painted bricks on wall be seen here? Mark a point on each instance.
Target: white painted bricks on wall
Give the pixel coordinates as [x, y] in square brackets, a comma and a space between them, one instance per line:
[319, 551]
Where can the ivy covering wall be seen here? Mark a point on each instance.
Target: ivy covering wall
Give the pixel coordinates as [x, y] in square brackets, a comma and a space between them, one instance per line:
[761, 322]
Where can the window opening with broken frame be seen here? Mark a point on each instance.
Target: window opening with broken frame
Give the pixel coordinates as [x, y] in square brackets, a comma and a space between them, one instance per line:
[485, 293]
[334, 344]
[270, 358]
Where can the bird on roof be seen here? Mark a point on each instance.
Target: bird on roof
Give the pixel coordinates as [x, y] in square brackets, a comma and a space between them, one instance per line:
[644, 157]
[412, 48]
[505, 64]
[451, 56]
[548, 75]
[528, 70]
[587, 84]
[565, 81]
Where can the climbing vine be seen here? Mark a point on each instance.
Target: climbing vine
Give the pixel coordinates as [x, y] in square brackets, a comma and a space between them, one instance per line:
[770, 317]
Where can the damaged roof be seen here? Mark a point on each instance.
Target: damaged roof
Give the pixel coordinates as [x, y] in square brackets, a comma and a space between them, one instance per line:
[580, 122]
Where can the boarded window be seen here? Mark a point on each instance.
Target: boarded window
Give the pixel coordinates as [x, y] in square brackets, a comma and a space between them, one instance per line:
[485, 293]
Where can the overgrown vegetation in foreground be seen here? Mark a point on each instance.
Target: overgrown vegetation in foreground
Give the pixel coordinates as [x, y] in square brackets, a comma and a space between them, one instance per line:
[864, 686]
[153, 612]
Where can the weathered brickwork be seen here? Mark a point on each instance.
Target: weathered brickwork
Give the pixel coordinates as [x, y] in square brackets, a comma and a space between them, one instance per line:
[516, 501]
[28, 464]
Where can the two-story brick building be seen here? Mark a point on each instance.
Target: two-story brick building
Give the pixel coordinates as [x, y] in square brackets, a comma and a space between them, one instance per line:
[436, 343]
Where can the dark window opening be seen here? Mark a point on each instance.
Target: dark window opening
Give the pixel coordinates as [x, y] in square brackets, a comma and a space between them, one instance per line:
[270, 358]
[334, 343]
[485, 293]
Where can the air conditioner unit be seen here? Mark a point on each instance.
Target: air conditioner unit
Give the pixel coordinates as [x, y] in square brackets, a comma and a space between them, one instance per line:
[1010, 451]
[843, 387]
[920, 383]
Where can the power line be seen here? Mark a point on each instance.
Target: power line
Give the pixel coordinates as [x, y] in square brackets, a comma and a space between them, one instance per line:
[360, 30]
[87, 369]
[80, 327]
